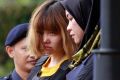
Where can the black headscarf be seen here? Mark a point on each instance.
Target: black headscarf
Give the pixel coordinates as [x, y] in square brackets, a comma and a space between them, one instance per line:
[86, 14]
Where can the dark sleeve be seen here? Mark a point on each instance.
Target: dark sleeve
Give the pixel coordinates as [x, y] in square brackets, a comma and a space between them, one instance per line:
[83, 71]
[37, 68]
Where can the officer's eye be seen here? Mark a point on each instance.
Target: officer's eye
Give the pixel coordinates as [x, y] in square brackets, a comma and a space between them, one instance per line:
[24, 48]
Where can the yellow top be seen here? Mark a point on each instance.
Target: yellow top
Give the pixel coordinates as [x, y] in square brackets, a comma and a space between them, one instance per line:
[48, 71]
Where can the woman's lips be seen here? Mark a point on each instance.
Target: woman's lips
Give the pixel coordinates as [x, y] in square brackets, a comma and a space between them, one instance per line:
[47, 47]
[72, 36]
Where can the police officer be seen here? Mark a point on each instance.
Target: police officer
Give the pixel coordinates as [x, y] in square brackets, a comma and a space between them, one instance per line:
[16, 47]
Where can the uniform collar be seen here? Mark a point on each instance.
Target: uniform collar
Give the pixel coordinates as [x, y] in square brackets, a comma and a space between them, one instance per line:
[15, 76]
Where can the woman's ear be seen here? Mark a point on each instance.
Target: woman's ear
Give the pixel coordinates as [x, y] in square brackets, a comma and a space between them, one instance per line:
[10, 51]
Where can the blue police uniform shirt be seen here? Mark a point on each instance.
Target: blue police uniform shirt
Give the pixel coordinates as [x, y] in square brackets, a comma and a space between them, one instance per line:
[15, 76]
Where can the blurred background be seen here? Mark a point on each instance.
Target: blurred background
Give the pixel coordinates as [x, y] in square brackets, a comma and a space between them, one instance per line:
[12, 12]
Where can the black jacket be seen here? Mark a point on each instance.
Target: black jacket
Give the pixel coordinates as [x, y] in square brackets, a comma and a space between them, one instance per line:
[84, 71]
[59, 75]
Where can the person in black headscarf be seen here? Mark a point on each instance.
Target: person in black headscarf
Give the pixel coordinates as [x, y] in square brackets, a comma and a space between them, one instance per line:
[83, 16]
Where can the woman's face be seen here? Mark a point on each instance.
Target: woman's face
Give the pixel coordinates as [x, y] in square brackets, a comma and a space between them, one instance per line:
[52, 43]
[74, 29]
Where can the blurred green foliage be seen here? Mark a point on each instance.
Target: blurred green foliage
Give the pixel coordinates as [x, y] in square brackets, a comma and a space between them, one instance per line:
[12, 12]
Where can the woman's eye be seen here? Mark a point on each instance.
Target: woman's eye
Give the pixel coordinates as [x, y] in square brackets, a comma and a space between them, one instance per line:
[51, 33]
[69, 17]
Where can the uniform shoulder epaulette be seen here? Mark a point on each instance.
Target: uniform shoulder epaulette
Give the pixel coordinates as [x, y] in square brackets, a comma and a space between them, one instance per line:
[6, 77]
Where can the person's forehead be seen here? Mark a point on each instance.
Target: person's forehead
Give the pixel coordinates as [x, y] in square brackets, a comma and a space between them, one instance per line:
[22, 42]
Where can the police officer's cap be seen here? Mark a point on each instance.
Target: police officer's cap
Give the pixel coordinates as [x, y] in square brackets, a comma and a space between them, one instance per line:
[16, 34]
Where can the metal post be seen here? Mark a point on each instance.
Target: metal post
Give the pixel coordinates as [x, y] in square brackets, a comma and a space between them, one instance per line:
[107, 58]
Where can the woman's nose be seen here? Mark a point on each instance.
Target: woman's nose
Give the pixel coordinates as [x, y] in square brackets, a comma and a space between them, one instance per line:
[45, 38]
